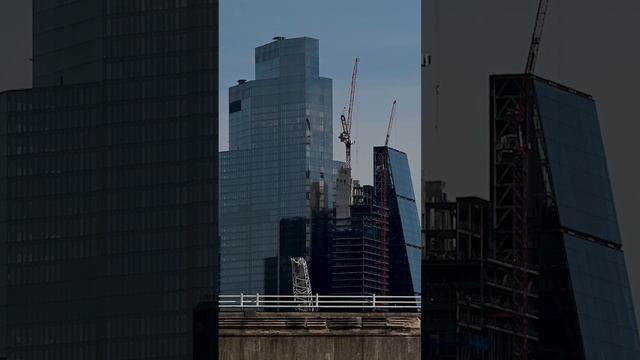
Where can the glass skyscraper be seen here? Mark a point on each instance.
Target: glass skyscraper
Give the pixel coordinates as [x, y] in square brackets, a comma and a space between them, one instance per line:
[279, 163]
[108, 181]
[405, 243]
[584, 306]
[587, 256]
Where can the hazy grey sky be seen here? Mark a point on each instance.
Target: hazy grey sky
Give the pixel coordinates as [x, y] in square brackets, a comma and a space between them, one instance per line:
[384, 34]
[590, 45]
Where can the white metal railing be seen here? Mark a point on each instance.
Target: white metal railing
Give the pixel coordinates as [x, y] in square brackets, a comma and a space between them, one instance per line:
[335, 302]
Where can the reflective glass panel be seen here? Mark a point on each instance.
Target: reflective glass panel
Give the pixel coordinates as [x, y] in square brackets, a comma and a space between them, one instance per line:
[578, 164]
[603, 300]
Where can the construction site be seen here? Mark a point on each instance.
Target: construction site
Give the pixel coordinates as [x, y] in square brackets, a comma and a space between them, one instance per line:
[372, 224]
[515, 276]
[294, 222]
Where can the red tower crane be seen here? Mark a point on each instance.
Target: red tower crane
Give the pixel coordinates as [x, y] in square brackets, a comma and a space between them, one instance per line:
[520, 193]
[347, 113]
[381, 178]
[393, 113]
[534, 48]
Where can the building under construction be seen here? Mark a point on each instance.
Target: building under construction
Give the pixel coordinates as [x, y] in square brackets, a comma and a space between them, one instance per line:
[358, 266]
[457, 277]
[378, 250]
[576, 279]
[563, 292]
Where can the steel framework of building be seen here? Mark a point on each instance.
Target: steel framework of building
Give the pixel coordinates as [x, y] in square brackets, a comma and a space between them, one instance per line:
[355, 263]
[381, 179]
[518, 125]
[511, 113]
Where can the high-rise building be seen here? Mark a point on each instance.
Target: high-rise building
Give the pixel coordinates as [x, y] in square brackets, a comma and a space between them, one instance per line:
[359, 265]
[458, 318]
[579, 303]
[404, 237]
[377, 250]
[279, 163]
[579, 292]
[108, 181]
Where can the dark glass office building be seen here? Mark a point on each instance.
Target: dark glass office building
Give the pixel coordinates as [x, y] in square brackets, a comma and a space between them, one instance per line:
[279, 163]
[108, 181]
[583, 300]
[404, 240]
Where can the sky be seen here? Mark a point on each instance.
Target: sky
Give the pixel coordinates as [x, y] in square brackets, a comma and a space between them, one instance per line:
[589, 45]
[384, 35]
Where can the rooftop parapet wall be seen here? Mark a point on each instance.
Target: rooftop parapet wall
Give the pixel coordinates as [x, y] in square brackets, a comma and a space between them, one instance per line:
[318, 335]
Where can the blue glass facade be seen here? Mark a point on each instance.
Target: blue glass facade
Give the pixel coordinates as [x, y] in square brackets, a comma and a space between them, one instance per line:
[405, 242]
[280, 159]
[603, 300]
[584, 256]
[578, 163]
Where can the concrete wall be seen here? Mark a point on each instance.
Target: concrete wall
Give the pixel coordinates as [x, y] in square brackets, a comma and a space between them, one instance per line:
[319, 336]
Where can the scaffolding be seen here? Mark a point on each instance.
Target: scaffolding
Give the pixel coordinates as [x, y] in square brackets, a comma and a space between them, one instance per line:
[509, 260]
[382, 198]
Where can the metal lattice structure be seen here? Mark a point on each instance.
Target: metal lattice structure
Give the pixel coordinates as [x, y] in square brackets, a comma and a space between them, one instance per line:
[536, 38]
[519, 157]
[347, 114]
[519, 214]
[301, 283]
[391, 118]
[381, 178]
[511, 112]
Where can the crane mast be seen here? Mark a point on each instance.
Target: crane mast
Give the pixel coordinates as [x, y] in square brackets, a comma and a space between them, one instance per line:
[347, 114]
[536, 38]
[391, 118]
[520, 190]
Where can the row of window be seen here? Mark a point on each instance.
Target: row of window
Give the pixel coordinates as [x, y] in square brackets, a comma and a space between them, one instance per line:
[51, 165]
[75, 177]
[60, 119]
[67, 228]
[54, 229]
[62, 97]
[137, 264]
[148, 22]
[167, 45]
[52, 207]
[145, 263]
[46, 121]
[144, 89]
[70, 183]
[144, 199]
[119, 6]
[84, 332]
[52, 251]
